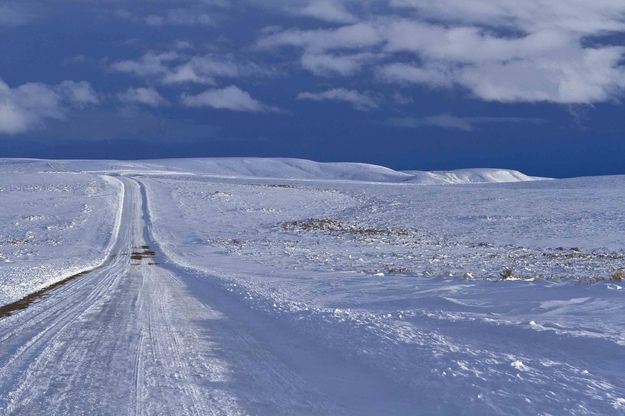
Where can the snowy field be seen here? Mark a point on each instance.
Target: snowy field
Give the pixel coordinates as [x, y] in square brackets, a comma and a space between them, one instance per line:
[346, 289]
[52, 225]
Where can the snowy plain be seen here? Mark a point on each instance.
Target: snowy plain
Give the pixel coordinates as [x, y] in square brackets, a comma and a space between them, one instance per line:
[282, 286]
[52, 225]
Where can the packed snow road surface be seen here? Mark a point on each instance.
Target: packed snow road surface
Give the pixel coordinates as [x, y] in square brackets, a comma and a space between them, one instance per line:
[314, 292]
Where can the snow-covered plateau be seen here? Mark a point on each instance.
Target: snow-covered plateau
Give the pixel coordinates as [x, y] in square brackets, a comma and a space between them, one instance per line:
[239, 286]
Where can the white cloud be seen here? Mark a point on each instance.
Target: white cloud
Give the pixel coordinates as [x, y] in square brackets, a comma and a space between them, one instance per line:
[356, 36]
[449, 121]
[203, 70]
[328, 64]
[79, 93]
[181, 17]
[358, 100]
[471, 44]
[497, 50]
[142, 95]
[12, 15]
[401, 99]
[580, 16]
[328, 52]
[431, 75]
[592, 75]
[29, 105]
[442, 120]
[328, 10]
[203, 14]
[178, 68]
[331, 11]
[149, 65]
[228, 98]
[546, 65]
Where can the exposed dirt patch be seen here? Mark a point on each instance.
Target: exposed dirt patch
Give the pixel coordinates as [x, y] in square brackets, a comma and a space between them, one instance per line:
[25, 302]
[333, 226]
[141, 253]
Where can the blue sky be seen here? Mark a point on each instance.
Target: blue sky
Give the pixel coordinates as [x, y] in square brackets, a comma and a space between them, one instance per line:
[412, 84]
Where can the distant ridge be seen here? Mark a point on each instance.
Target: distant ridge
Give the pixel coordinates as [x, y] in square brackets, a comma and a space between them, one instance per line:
[467, 176]
[278, 168]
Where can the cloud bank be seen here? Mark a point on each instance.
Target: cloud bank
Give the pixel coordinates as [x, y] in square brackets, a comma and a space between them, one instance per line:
[229, 98]
[359, 101]
[453, 122]
[142, 95]
[209, 54]
[29, 106]
[15, 14]
[496, 50]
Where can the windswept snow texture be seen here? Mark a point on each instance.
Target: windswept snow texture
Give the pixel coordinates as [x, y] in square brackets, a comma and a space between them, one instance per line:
[466, 176]
[280, 286]
[52, 226]
[409, 280]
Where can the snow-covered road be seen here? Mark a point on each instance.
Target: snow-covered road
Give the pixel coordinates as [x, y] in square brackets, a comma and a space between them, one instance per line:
[141, 336]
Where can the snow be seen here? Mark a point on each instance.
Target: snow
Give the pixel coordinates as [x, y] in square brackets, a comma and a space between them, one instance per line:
[53, 226]
[285, 168]
[467, 176]
[279, 168]
[282, 286]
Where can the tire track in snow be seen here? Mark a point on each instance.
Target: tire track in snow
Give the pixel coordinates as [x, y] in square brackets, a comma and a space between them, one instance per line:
[42, 328]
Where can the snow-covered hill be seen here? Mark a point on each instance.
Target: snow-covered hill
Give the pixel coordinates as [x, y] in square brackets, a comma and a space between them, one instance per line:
[467, 176]
[306, 169]
[279, 168]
